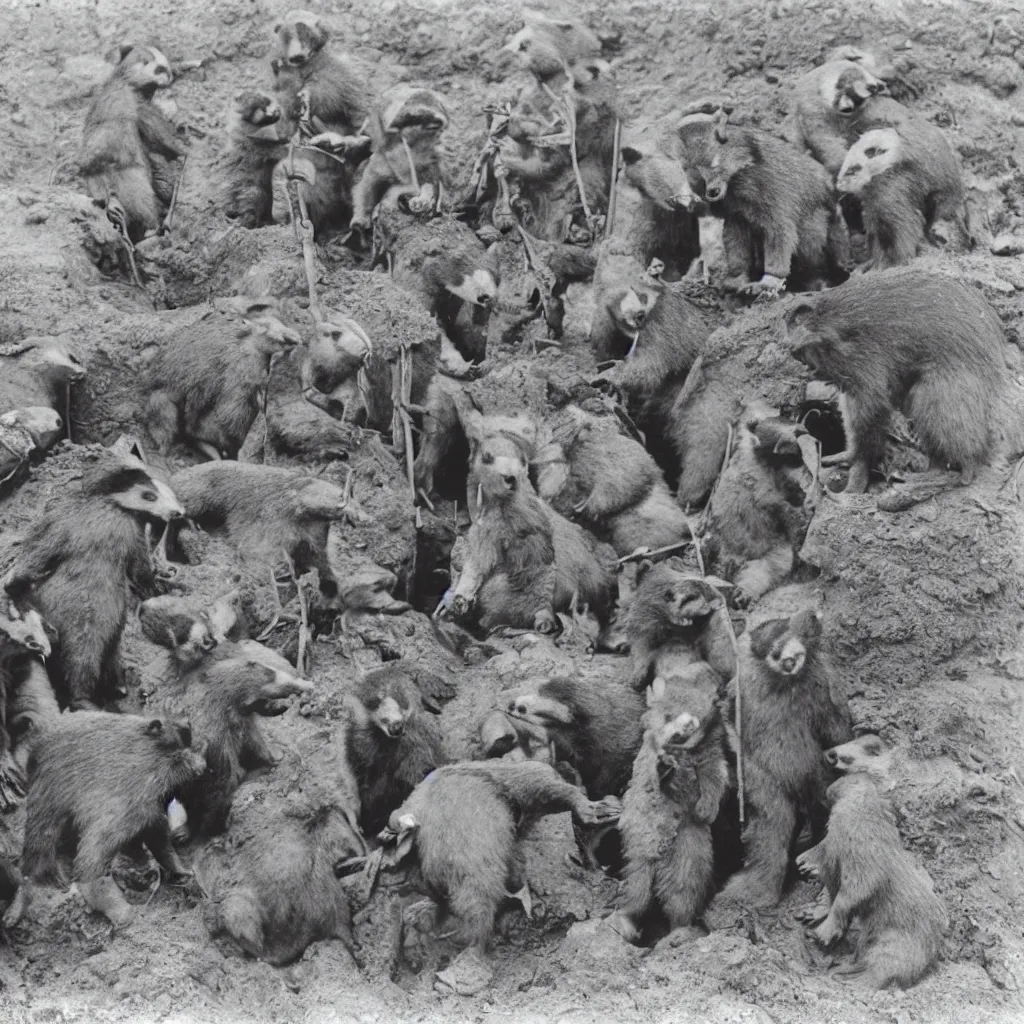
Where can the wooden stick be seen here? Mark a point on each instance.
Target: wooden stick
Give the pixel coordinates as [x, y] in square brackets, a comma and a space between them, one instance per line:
[613, 191]
[300, 660]
[396, 404]
[412, 163]
[666, 550]
[169, 219]
[570, 119]
[739, 716]
[309, 258]
[405, 359]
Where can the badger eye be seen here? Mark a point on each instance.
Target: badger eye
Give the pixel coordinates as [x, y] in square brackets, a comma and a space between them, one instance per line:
[872, 152]
[669, 595]
[148, 496]
[487, 458]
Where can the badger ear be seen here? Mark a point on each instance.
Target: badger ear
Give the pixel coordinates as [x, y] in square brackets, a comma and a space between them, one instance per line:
[630, 155]
[721, 122]
[799, 314]
[656, 691]
[492, 258]
[643, 568]
[118, 53]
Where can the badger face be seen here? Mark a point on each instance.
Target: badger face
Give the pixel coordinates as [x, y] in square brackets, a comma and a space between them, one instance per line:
[787, 656]
[479, 288]
[875, 153]
[300, 36]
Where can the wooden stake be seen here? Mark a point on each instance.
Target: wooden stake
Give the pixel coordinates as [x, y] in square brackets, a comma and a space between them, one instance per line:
[613, 192]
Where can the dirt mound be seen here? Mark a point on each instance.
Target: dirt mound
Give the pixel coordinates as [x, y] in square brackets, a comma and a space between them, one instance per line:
[924, 607]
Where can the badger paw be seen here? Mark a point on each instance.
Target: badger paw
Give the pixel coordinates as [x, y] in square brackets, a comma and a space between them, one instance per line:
[600, 812]
[807, 865]
[812, 913]
[827, 932]
[460, 606]
[623, 925]
[769, 285]
[545, 622]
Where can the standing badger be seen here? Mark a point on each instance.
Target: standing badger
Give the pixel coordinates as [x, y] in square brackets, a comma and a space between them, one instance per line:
[82, 564]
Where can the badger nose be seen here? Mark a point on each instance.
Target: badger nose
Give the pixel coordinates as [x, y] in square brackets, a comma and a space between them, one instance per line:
[713, 192]
[640, 317]
[789, 664]
[510, 482]
[484, 299]
[34, 645]
[395, 728]
[295, 59]
[832, 757]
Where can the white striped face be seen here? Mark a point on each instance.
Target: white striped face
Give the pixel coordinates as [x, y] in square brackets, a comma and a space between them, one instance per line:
[480, 288]
[871, 156]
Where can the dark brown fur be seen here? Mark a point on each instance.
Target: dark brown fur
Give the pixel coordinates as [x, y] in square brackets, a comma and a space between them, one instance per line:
[793, 707]
[23, 643]
[665, 225]
[543, 175]
[668, 336]
[524, 562]
[756, 522]
[594, 726]
[871, 878]
[609, 481]
[679, 617]
[259, 136]
[206, 386]
[102, 782]
[703, 411]
[679, 779]
[266, 510]
[339, 97]
[411, 117]
[296, 427]
[778, 206]
[121, 128]
[81, 566]
[393, 742]
[35, 371]
[223, 698]
[922, 343]
[906, 178]
[170, 622]
[819, 96]
[280, 893]
[465, 822]
[442, 261]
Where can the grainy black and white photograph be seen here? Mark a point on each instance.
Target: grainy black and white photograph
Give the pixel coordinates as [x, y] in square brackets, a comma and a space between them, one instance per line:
[511, 513]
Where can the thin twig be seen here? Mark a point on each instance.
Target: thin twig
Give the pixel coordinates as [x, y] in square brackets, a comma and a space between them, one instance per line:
[405, 362]
[169, 219]
[639, 556]
[569, 111]
[718, 480]
[300, 660]
[739, 714]
[412, 163]
[613, 187]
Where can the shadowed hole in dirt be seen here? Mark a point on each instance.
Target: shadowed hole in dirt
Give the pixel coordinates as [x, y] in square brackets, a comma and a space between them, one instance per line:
[824, 423]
